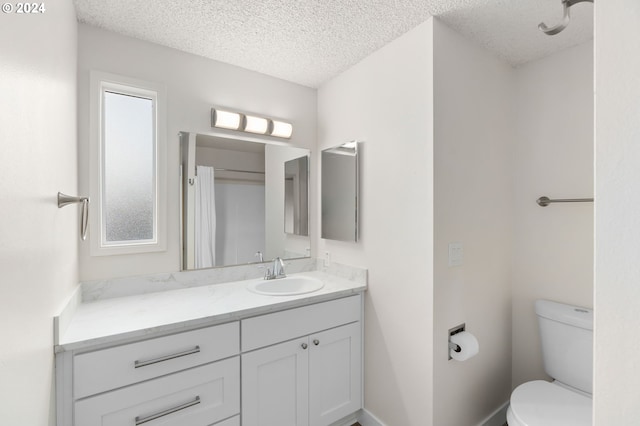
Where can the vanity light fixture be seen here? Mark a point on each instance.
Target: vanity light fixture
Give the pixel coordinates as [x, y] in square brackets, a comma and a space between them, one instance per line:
[250, 123]
[253, 124]
[281, 129]
[225, 119]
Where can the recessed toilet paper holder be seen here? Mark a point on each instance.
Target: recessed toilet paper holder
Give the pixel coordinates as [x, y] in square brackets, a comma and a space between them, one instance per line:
[452, 331]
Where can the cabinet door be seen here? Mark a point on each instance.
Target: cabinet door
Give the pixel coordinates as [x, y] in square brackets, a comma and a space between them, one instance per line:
[275, 385]
[335, 373]
[197, 397]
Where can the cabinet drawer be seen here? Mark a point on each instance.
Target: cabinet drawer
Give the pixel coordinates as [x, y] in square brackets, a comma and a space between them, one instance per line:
[119, 366]
[273, 328]
[197, 397]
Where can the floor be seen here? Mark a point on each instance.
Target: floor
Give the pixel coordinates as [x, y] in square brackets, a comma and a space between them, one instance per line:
[358, 424]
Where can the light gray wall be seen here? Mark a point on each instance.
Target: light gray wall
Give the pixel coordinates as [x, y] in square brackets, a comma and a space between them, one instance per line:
[473, 205]
[38, 241]
[194, 84]
[386, 101]
[488, 169]
[617, 223]
[553, 246]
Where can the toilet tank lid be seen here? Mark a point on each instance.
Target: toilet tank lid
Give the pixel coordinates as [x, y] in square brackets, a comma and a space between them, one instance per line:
[573, 315]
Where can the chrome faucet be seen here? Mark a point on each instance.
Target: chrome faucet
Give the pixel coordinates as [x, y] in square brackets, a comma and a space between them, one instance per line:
[277, 271]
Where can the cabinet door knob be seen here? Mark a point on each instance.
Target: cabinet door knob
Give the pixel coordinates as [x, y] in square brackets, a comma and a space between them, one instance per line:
[304, 346]
[316, 342]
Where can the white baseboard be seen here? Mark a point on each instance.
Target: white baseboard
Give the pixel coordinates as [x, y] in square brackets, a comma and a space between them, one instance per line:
[497, 418]
[365, 418]
[347, 421]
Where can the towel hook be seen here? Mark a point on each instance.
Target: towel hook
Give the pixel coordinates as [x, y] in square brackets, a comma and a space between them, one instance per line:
[566, 4]
[65, 200]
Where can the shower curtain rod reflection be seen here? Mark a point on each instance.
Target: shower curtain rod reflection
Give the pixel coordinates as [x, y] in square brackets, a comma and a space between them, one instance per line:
[237, 171]
[234, 170]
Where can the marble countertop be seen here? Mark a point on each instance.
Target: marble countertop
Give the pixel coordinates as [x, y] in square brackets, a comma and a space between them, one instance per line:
[125, 319]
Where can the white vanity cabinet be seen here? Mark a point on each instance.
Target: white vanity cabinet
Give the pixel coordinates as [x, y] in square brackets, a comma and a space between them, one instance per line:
[313, 380]
[301, 366]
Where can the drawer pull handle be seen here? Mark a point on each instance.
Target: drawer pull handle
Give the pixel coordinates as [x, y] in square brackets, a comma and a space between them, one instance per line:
[316, 342]
[138, 364]
[141, 420]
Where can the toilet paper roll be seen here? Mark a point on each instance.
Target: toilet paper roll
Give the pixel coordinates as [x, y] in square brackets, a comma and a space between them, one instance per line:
[468, 344]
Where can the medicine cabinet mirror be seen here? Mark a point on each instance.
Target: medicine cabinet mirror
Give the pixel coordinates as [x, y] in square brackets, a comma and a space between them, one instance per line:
[340, 192]
[233, 201]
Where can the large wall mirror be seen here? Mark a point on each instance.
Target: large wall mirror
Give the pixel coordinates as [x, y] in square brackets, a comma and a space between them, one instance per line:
[235, 204]
[340, 192]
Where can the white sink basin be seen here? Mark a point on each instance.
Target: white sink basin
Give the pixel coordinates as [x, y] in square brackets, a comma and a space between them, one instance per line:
[288, 286]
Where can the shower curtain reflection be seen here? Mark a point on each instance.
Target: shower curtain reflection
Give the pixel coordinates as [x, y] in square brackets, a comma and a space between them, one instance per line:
[205, 218]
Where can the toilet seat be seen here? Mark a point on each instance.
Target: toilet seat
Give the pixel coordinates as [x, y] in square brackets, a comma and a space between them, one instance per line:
[541, 403]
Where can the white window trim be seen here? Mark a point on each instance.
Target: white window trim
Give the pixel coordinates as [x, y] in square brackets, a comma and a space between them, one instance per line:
[99, 81]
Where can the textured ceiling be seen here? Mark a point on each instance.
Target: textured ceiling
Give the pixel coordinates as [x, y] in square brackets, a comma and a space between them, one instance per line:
[311, 41]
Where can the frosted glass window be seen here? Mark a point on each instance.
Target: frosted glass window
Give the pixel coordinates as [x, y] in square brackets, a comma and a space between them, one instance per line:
[128, 169]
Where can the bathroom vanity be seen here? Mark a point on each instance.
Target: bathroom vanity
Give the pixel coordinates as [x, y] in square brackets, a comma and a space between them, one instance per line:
[214, 355]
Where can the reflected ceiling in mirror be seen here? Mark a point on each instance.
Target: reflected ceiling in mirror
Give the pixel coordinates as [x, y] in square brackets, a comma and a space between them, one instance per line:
[233, 202]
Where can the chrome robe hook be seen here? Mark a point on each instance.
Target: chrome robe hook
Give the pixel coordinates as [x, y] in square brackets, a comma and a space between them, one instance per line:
[566, 17]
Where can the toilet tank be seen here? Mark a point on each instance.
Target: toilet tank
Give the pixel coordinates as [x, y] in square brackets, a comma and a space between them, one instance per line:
[567, 343]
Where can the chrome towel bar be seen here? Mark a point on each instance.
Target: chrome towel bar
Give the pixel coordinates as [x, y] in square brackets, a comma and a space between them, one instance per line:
[545, 201]
[65, 200]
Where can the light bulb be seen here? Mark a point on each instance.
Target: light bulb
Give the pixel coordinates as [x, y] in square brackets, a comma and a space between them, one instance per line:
[281, 129]
[225, 119]
[254, 124]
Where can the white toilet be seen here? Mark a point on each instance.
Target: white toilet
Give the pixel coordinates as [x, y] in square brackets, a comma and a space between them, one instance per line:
[567, 347]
